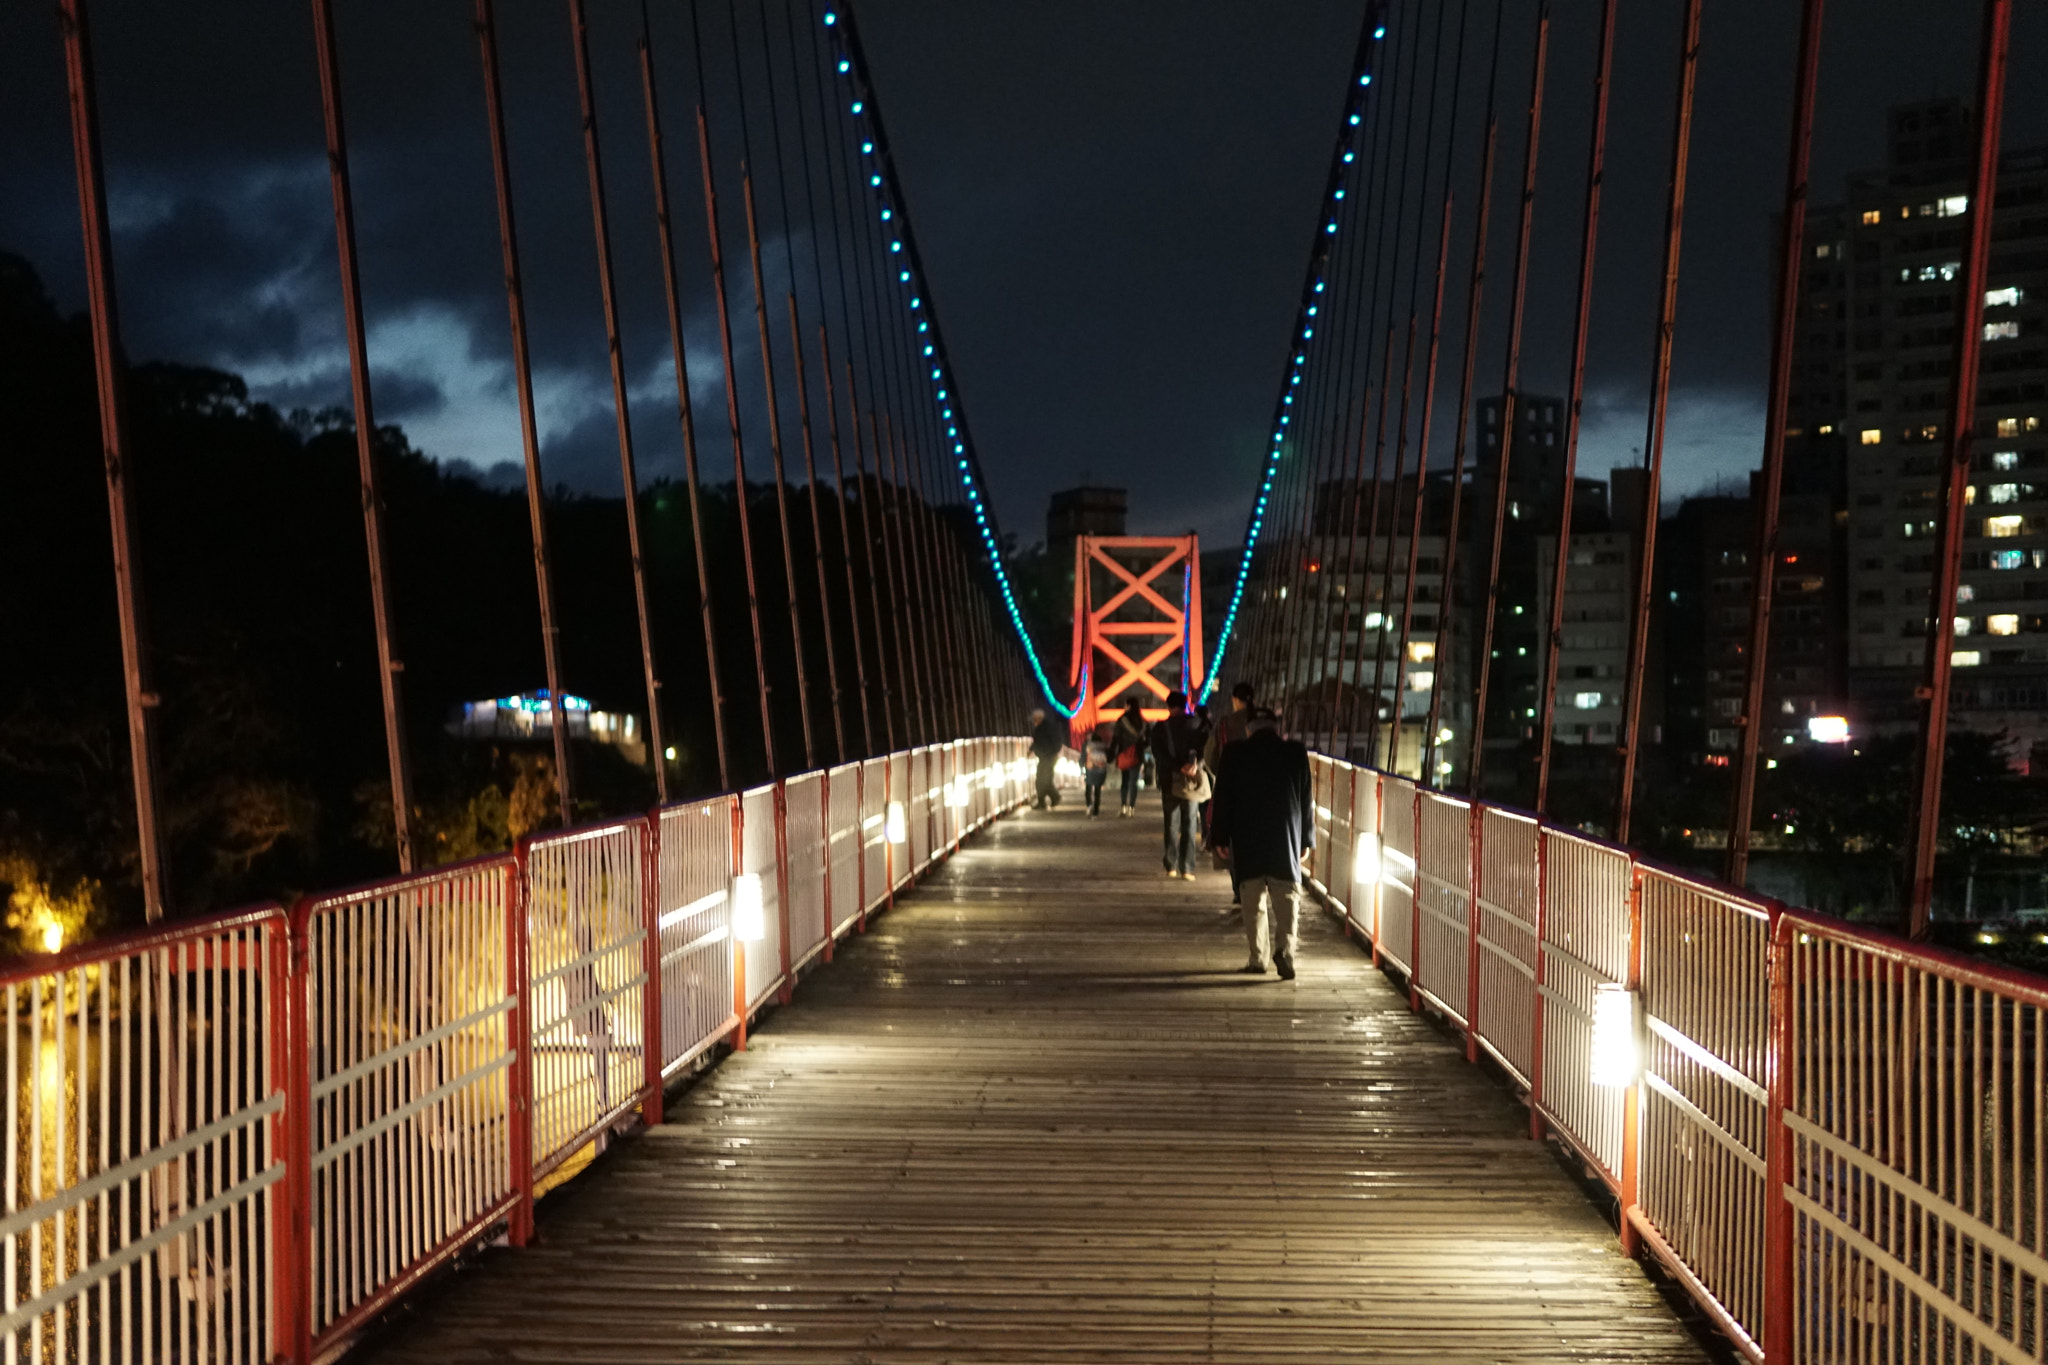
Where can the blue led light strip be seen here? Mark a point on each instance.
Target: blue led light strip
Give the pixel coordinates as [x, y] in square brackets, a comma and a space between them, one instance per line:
[1358, 88]
[879, 171]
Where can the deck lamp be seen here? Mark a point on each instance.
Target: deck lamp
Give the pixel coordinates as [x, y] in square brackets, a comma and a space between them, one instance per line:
[1365, 862]
[749, 922]
[1617, 1059]
[896, 827]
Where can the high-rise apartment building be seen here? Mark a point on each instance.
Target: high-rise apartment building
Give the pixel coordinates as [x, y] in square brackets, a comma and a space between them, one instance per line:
[1873, 375]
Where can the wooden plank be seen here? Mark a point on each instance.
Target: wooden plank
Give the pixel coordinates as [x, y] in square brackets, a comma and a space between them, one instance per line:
[1034, 1115]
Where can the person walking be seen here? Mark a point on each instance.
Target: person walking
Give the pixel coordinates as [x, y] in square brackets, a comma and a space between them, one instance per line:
[1048, 738]
[1232, 728]
[1127, 751]
[1265, 816]
[1095, 767]
[1183, 783]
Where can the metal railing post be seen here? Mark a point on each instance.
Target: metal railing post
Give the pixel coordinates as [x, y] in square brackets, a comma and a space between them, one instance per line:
[519, 1103]
[1536, 1001]
[291, 1281]
[1475, 817]
[1632, 1097]
[788, 986]
[651, 1044]
[1779, 1231]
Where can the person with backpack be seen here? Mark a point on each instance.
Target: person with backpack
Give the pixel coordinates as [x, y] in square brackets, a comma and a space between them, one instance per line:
[1127, 752]
[1183, 783]
[1095, 767]
[1048, 738]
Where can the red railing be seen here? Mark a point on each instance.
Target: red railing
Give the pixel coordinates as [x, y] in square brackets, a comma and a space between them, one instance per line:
[239, 1138]
[1832, 1138]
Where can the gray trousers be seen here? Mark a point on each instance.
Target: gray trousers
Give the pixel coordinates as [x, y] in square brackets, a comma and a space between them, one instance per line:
[1253, 895]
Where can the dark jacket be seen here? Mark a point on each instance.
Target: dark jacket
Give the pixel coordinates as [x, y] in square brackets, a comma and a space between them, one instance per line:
[1048, 737]
[1126, 735]
[1264, 811]
[1174, 740]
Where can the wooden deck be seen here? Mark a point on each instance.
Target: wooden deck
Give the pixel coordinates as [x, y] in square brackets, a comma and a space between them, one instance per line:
[1033, 1115]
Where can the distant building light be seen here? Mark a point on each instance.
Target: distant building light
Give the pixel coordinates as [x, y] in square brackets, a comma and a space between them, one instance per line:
[1872, 436]
[1828, 729]
[1965, 658]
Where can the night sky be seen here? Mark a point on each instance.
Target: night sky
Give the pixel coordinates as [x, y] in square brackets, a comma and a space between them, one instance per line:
[1114, 203]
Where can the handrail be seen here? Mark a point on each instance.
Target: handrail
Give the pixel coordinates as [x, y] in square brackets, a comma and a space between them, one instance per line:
[265, 1127]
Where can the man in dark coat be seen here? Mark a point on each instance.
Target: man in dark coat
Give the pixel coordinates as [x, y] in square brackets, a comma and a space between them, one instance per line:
[1265, 815]
[1177, 743]
[1048, 737]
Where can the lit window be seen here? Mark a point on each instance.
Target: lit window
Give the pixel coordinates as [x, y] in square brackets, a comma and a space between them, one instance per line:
[1964, 658]
[1826, 429]
[1970, 496]
[1927, 274]
[2008, 559]
[2005, 492]
[1421, 651]
[1965, 593]
[1964, 625]
[1828, 729]
[1586, 701]
[1821, 251]
[2001, 527]
[1873, 216]
[1953, 206]
[2004, 298]
[2005, 459]
[2002, 625]
[1421, 681]
[2001, 331]
[1873, 436]
[2008, 426]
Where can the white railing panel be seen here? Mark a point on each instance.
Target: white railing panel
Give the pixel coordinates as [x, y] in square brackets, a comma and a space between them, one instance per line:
[694, 925]
[1443, 900]
[145, 1169]
[804, 865]
[1506, 1018]
[586, 970]
[874, 844]
[1397, 871]
[843, 841]
[764, 956]
[1705, 997]
[410, 1004]
[1585, 945]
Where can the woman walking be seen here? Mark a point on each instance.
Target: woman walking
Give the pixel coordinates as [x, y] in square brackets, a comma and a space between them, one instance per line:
[1127, 747]
[1095, 764]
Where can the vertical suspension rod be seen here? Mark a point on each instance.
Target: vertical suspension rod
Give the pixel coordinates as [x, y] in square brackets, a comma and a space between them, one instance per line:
[664, 227]
[1764, 549]
[1511, 376]
[629, 475]
[1955, 473]
[140, 698]
[396, 756]
[529, 431]
[1653, 441]
[1596, 163]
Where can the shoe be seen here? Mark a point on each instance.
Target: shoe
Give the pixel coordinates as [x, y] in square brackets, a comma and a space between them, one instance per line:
[1285, 966]
[1252, 969]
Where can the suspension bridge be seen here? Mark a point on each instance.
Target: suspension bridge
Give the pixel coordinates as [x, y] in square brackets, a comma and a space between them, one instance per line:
[836, 1053]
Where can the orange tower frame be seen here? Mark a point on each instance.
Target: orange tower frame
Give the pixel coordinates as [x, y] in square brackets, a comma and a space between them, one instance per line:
[1135, 609]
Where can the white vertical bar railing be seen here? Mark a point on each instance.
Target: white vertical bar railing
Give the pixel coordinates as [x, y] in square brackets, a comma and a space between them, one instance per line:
[874, 839]
[1586, 888]
[758, 854]
[1506, 918]
[803, 801]
[411, 1006]
[843, 844]
[1443, 904]
[1397, 872]
[1705, 1099]
[693, 925]
[1914, 1151]
[586, 931]
[146, 1166]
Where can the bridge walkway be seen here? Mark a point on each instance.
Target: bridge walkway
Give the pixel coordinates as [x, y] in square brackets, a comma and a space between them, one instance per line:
[1034, 1115]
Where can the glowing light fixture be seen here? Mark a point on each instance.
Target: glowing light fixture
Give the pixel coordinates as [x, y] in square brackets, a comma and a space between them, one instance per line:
[1617, 1058]
[897, 826]
[1828, 729]
[1365, 860]
[749, 920]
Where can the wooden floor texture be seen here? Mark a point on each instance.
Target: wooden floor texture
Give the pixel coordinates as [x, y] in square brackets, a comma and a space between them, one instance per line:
[1033, 1115]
